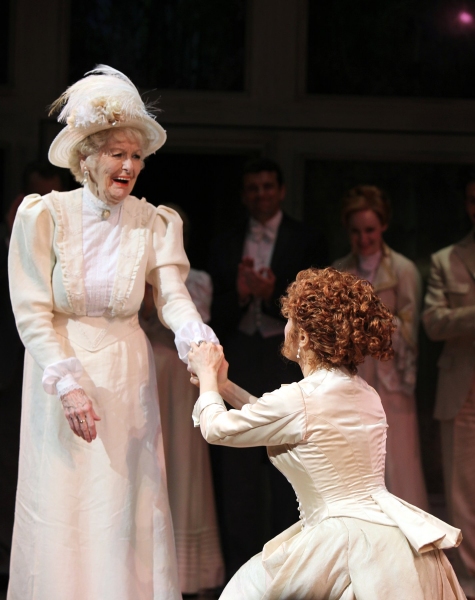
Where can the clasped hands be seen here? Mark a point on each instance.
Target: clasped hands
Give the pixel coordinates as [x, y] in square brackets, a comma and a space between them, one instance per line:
[208, 366]
[252, 283]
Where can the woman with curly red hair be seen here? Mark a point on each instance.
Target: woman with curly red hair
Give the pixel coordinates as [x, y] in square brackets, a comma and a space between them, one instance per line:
[327, 434]
[366, 212]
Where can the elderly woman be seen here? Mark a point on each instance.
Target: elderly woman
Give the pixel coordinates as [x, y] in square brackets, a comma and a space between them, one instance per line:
[92, 517]
[366, 213]
[327, 435]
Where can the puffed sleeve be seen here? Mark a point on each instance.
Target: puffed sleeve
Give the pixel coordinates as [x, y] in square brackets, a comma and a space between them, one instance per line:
[167, 269]
[30, 264]
[275, 419]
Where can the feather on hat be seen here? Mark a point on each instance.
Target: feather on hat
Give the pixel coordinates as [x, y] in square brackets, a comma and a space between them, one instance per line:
[103, 99]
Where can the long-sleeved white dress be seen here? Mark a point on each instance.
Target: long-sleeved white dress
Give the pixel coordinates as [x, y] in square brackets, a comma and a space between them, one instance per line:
[92, 520]
[355, 540]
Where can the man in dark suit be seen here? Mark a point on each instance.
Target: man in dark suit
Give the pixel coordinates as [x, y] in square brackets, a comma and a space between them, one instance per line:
[251, 266]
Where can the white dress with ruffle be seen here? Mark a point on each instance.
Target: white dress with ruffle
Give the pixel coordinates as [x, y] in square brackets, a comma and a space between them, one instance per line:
[92, 520]
[355, 540]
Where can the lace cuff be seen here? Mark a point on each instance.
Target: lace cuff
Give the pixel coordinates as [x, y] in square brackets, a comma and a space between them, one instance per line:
[192, 331]
[62, 376]
[67, 384]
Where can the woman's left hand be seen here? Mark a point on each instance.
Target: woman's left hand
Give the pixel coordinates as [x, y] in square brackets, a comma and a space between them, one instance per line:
[80, 414]
[221, 376]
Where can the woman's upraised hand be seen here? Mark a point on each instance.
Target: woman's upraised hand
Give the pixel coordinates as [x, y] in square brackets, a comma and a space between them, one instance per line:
[205, 356]
[207, 365]
[80, 414]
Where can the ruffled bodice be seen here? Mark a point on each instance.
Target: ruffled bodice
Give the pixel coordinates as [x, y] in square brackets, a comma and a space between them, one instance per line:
[150, 238]
[52, 286]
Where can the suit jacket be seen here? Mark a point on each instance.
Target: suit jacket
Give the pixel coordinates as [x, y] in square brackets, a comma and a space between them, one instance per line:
[296, 247]
[398, 284]
[449, 315]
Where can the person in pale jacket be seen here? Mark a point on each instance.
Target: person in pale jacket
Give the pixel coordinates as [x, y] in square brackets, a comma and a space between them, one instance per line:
[366, 212]
[449, 316]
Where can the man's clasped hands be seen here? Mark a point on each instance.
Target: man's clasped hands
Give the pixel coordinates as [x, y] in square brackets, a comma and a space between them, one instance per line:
[252, 283]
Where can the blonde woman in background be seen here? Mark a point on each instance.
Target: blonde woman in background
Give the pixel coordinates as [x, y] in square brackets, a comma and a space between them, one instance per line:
[366, 212]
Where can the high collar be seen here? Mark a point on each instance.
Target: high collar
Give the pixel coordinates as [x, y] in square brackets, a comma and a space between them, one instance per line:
[369, 263]
[385, 277]
[97, 204]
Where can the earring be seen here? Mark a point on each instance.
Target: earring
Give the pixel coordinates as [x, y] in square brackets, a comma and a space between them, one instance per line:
[86, 175]
[298, 352]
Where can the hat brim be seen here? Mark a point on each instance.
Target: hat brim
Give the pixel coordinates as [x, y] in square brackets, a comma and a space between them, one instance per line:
[67, 138]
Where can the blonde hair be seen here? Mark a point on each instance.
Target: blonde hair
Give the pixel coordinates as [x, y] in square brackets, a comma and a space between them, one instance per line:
[366, 197]
[93, 144]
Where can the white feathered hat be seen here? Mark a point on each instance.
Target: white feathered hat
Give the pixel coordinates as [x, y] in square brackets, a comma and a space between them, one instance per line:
[103, 99]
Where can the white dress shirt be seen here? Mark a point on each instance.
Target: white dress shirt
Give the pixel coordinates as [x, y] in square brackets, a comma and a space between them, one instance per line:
[100, 244]
[259, 245]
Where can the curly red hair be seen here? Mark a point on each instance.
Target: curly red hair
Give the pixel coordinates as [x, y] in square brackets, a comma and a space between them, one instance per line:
[342, 316]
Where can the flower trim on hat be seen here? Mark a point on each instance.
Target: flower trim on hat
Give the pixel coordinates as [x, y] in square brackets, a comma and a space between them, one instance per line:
[100, 111]
[104, 97]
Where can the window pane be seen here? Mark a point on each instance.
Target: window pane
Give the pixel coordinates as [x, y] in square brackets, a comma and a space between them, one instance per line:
[392, 48]
[5, 42]
[177, 44]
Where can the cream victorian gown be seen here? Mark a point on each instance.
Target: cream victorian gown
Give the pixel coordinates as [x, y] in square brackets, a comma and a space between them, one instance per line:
[397, 282]
[355, 540]
[92, 520]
